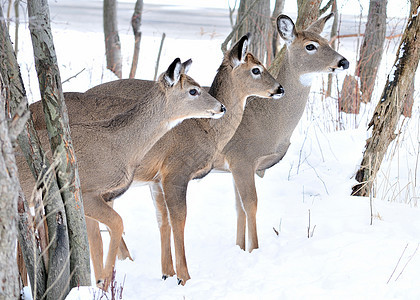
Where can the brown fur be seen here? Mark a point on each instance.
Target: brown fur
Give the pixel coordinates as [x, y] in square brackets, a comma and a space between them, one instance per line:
[109, 151]
[188, 152]
[263, 137]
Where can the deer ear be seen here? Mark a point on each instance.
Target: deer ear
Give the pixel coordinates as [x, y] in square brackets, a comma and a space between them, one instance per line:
[318, 26]
[186, 66]
[173, 73]
[238, 52]
[286, 28]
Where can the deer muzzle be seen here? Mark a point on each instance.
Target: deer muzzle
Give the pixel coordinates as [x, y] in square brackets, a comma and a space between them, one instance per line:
[278, 93]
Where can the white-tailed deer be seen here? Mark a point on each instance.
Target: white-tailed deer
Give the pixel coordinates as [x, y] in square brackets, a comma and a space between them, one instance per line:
[109, 151]
[263, 136]
[188, 150]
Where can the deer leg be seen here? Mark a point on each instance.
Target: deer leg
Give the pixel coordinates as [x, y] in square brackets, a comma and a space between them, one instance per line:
[164, 228]
[245, 185]
[123, 252]
[99, 210]
[96, 248]
[240, 221]
[175, 198]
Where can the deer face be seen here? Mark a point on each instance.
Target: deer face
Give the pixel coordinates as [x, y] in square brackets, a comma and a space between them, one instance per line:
[308, 51]
[249, 76]
[185, 98]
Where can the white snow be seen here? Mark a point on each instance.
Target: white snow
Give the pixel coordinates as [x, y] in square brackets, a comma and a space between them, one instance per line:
[344, 258]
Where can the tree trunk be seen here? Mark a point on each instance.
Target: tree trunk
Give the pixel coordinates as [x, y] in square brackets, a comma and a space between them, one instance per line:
[308, 13]
[31, 253]
[387, 113]
[409, 101]
[16, 97]
[9, 187]
[136, 23]
[61, 145]
[258, 23]
[278, 9]
[349, 100]
[333, 43]
[112, 39]
[370, 53]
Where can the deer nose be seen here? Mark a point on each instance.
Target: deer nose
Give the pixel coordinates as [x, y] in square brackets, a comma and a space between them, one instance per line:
[280, 90]
[343, 63]
[223, 109]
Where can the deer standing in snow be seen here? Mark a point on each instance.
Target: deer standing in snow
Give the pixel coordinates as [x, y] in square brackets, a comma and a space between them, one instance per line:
[263, 136]
[109, 151]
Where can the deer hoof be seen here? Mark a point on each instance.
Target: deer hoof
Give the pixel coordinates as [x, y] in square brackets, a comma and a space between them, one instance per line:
[164, 277]
[180, 282]
[100, 284]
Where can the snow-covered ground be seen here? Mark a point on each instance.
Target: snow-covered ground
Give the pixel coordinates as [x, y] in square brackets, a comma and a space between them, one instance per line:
[344, 258]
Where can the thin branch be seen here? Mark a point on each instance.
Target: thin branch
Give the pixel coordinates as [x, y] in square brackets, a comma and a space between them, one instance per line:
[326, 7]
[236, 27]
[397, 264]
[411, 257]
[74, 76]
[158, 58]
[341, 36]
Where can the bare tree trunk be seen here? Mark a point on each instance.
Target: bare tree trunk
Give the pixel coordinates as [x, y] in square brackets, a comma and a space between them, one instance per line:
[31, 253]
[9, 187]
[409, 101]
[239, 23]
[333, 43]
[349, 100]
[388, 110]
[370, 53]
[61, 145]
[258, 23]
[16, 25]
[16, 97]
[308, 12]
[136, 23]
[278, 9]
[112, 39]
[23, 272]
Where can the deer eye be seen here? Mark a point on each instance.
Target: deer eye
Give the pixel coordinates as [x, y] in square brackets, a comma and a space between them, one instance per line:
[310, 47]
[193, 92]
[256, 71]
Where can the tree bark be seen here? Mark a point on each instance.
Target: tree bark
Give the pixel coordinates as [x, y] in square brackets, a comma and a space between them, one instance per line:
[278, 9]
[9, 186]
[112, 39]
[387, 113]
[409, 101]
[61, 145]
[16, 97]
[31, 253]
[308, 13]
[136, 23]
[258, 23]
[333, 43]
[370, 53]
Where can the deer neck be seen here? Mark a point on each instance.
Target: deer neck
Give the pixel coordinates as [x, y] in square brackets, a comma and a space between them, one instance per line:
[297, 85]
[222, 130]
[142, 125]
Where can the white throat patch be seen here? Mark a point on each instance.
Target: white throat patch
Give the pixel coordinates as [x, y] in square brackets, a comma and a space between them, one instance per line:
[306, 79]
